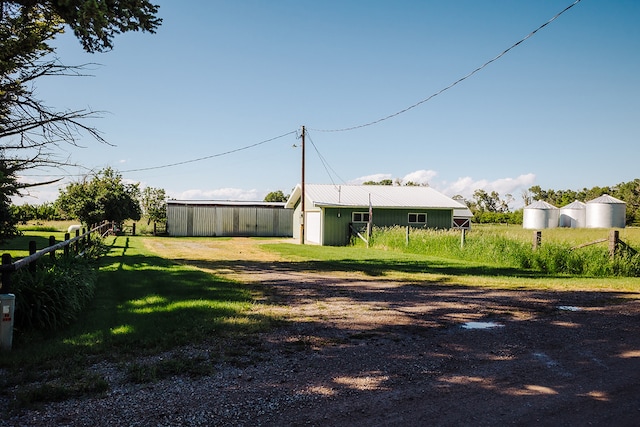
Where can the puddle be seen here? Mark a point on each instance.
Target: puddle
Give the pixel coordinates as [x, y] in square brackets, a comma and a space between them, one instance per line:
[568, 308]
[481, 325]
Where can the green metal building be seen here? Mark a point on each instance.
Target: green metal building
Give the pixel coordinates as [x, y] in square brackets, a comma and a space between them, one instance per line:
[332, 211]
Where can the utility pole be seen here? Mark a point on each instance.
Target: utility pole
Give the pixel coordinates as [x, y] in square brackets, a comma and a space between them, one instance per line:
[302, 195]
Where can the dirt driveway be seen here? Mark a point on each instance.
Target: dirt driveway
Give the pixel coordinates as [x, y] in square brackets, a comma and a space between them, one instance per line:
[356, 350]
[359, 350]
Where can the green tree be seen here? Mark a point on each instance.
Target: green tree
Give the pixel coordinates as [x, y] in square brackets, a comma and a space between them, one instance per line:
[30, 131]
[629, 192]
[381, 182]
[103, 197]
[276, 196]
[485, 202]
[154, 204]
[94, 22]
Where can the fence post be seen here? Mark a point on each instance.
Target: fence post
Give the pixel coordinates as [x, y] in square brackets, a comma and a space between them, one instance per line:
[67, 236]
[32, 250]
[6, 274]
[537, 239]
[76, 244]
[406, 239]
[133, 229]
[614, 240]
[463, 237]
[52, 241]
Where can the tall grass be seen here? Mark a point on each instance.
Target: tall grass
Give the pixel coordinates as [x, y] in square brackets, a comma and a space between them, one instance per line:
[509, 248]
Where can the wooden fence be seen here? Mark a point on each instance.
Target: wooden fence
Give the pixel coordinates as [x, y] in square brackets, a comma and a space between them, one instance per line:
[78, 244]
[615, 244]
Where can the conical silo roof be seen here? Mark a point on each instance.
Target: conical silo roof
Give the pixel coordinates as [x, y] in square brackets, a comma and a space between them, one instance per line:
[540, 204]
[575, 205]
[606, 199]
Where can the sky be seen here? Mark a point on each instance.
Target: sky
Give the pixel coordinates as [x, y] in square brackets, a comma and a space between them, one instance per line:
[212, 105]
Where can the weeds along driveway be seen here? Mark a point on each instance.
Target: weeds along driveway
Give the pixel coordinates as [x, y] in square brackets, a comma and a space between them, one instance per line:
[362, 350]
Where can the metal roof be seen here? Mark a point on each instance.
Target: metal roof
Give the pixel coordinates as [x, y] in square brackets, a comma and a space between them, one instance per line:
[575, 205]
[381, 196]
[606, 199]
[224, 203]
[540, 204]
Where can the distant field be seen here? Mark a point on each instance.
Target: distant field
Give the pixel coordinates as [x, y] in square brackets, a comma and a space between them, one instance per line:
[572, 236]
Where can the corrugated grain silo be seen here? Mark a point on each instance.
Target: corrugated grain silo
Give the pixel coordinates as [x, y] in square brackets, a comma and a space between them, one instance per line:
[539, 215]
[573, 215]
[606, 212]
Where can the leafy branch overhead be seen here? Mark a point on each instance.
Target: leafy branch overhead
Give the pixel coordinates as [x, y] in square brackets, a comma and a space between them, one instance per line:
[95, 22]
[31, 132]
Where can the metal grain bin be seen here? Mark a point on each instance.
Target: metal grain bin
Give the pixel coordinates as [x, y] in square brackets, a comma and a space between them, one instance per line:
[573, 215]
[540, 215]
[606, 212]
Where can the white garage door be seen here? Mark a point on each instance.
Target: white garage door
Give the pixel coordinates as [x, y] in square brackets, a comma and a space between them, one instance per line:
[312, 227]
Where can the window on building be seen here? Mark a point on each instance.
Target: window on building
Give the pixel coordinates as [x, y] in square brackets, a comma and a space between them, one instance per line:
[360, 216]
[417, 218]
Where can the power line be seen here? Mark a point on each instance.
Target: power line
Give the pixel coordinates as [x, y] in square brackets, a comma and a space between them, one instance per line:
[213, 155]
[460, 80]
[177, 163]
[324, 162]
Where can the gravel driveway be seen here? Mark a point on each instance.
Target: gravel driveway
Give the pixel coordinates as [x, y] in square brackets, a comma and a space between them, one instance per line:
[367, 351]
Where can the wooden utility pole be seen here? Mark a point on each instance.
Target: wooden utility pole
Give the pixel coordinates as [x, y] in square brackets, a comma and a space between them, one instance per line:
[302, 195]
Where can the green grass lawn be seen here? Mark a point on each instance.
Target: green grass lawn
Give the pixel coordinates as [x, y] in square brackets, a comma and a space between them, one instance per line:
[144, 305]
[425, 269]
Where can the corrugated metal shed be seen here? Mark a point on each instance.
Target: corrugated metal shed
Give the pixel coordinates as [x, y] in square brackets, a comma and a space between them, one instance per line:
[209, 218]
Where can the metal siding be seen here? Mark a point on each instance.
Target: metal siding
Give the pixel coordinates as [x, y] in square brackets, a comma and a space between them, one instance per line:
[265, 222]
[285, 222]
[336, 228]
[189, 220]
[439, 218]
[246, 221]
[210, 221]
[224, 222]
[295, 218]
[204, 221]
[436, 218]
[177, 220]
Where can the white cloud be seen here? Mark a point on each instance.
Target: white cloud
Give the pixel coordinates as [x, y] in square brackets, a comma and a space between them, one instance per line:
[466, 186]
[420, 177]
[375, 177]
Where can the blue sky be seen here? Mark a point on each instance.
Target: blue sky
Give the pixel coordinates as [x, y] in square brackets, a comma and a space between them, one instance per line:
[561, 110]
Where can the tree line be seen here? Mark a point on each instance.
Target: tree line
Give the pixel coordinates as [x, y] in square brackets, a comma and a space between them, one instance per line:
[103, 196]
[491, 207]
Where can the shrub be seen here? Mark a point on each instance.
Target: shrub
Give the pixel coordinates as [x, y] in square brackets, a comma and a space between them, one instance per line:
[55, 294]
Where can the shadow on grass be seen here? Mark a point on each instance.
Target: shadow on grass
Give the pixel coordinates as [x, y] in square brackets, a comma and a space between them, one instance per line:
[375, 267]
[146, 304]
